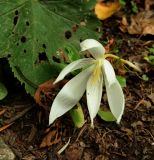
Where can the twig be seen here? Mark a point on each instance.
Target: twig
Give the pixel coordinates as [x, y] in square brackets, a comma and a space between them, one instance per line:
[2, 112]
[5, 127]
[81, 132]
[18, 115]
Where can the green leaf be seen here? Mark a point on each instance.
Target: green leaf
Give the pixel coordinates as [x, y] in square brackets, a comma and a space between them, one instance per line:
[106, 116]
[77, 116]
[33, 31]
[89, 4]
[72, 53]
[3, 91]
[145, 77]
[121, 80]
[134, 7]
[122, 2]
[151, 49]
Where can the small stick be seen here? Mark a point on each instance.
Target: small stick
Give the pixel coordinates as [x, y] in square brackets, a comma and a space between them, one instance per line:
[2, 112]
[5, 127]
[18, 115]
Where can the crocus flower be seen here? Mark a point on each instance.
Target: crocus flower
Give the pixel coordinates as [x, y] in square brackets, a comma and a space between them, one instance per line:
[98, 73]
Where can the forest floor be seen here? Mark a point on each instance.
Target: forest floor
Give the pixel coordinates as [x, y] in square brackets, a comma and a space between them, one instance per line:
[132, 139]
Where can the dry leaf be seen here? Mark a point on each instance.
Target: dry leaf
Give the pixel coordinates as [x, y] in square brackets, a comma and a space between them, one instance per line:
[106, 10]
[142, 23]
[148, 4]
[52, 135]
[151, 96]
[74, 152]
[128, 131]
[45, 93]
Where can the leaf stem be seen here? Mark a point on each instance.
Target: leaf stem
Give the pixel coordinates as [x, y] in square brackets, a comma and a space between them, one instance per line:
[123, 61]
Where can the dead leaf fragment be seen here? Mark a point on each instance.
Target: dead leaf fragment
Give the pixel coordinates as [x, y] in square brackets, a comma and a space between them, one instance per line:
[128, 131]
[136, 124]
[151, 96]
[106, 10]
[45, 93]
[52, 135]
[74, 152]
[148, 4]
[142, 23]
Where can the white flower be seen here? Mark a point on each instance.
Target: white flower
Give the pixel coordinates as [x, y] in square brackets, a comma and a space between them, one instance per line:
[98, 73]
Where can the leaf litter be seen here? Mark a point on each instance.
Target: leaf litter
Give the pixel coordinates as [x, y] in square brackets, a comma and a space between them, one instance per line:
[132, 139]
[142, 23]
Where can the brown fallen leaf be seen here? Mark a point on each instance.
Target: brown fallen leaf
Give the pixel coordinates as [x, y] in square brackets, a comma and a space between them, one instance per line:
[45, 93]
[105, 10]
[128, 131]
[151, 96]
[52, 135]
[148, 4]
[74, 152]
[142, 23]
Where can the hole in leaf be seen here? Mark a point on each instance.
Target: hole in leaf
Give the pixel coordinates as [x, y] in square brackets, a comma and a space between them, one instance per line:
[23, 39]
[44, 46]
[25, 51]
[27, 23]
[43, 56]
[17, 44]
[55, 59]
[68, 34]
[15, 20]
[9, 55]
[16, 12]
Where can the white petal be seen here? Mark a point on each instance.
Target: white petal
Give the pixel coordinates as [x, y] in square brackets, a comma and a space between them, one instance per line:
[109, 72]
[73, 66]
[115, 99]
[69, 95]
[94, 95]
[95, 48]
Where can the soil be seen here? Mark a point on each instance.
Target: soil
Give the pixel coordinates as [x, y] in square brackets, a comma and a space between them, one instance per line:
[132, 139]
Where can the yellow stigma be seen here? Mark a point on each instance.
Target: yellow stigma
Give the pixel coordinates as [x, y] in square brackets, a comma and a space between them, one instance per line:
[97, 72]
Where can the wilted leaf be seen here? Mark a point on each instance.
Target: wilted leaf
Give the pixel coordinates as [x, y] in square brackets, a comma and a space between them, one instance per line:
[148, 4]
[45, 93]
[142, 23]
[3, 91]
[52, 136]
[33, 32]
[106, 10]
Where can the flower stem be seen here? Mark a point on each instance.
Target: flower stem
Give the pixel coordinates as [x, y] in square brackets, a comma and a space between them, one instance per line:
[123, 61]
